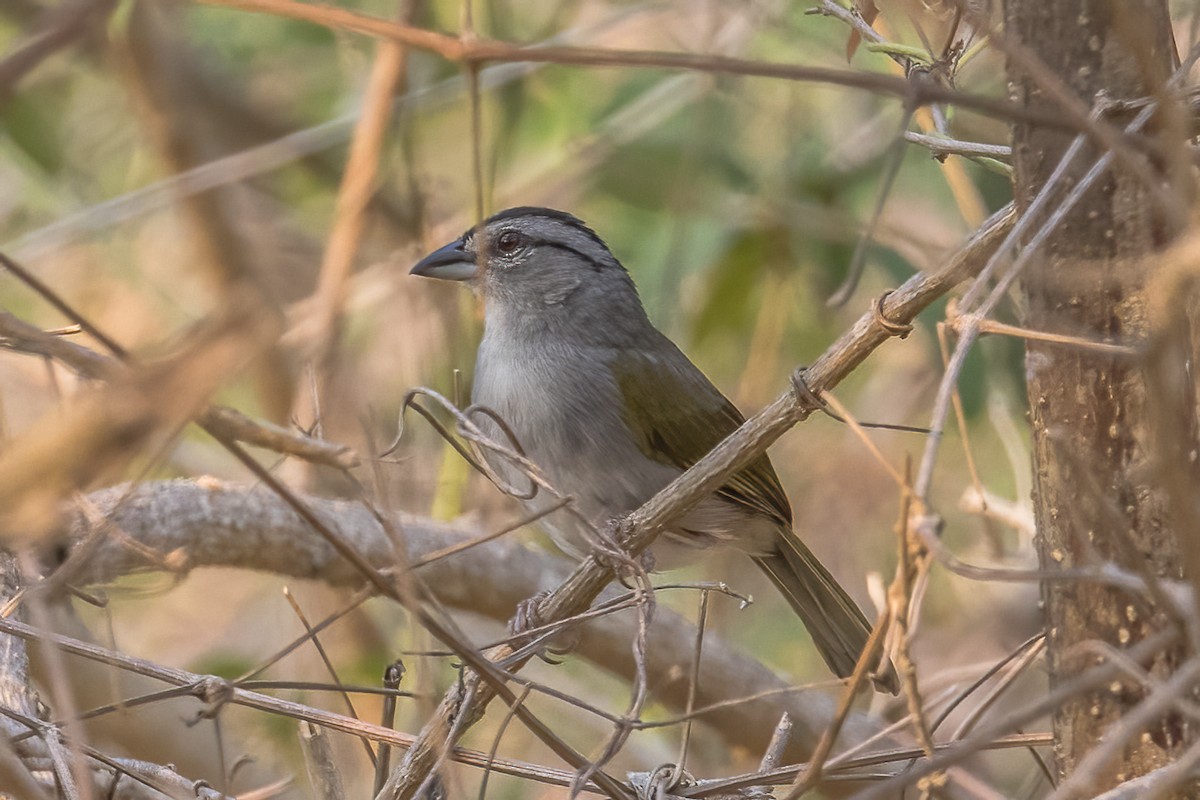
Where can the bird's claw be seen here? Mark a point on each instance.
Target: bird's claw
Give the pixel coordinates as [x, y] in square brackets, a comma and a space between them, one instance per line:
[528, 615]
[528, 618]
[624, 567]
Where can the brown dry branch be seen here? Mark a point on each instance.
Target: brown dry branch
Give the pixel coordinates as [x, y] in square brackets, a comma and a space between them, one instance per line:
[109, 426]
[34, 761]
[198, 524]
[358, 186]
[67, 24]
[323, 773]
[212, 692]
[955, 752]
[313, 636]
[750, 440]
[19, 336]
[940, 146]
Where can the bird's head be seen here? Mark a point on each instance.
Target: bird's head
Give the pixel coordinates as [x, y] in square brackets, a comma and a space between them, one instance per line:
[534, 260]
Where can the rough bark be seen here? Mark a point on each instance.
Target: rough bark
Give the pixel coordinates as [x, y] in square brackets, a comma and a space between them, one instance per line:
[1097, 495]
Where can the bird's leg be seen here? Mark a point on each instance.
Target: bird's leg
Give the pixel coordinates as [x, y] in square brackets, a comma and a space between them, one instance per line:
[615, 558]
[528, 618]
[528, 615]
[629, 568]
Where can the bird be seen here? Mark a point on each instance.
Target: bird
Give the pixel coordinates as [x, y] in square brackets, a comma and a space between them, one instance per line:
[611, 411]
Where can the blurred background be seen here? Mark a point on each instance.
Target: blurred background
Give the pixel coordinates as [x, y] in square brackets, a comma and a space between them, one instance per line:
[171, 154]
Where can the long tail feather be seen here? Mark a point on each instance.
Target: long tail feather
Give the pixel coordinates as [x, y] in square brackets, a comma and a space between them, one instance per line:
[837, 626]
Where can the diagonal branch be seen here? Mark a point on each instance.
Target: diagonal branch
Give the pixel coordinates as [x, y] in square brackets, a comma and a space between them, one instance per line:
[465, 703]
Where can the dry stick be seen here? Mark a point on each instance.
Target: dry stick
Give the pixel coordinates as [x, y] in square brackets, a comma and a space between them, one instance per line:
[391, 680]
[500, 731]
[1105, 348]
[775, 749]
[454, 549]
[945, 146]
[957, 751]
[575, 594]
[722, 787]
[218, 690]
[20, 336]
[811, 775]
[320, 648]
[964, 435]
[690, 706]
[913, 559]
[893, 160]
[354, 195]
[62, 692]
[323, 773]
[162, 779]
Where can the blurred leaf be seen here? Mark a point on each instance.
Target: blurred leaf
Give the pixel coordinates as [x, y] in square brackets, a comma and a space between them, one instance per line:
[223, 664]
[731, 296]
[34, 123]
[647, 172]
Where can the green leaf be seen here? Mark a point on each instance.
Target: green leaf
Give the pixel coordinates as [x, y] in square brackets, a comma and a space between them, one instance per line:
[34, 124]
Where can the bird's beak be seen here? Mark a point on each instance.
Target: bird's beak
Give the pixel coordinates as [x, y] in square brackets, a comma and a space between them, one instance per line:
[450, 263]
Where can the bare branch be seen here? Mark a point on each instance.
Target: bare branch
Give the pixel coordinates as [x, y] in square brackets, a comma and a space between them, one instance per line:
[185, 525]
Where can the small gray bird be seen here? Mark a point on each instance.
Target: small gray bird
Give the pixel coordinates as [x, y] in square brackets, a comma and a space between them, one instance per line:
[611, 410]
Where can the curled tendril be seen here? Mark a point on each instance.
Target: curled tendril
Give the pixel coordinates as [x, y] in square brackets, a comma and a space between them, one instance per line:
[466, 427]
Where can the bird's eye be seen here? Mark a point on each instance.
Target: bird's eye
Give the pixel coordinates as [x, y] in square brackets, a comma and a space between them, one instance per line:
[508, 243]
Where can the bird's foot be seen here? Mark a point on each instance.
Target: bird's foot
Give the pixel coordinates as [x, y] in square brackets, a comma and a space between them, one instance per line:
[626, 567]
[528, 618]
[528, 615]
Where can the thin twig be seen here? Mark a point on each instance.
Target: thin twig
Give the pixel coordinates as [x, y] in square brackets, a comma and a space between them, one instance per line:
[320, 648]
[944, 146]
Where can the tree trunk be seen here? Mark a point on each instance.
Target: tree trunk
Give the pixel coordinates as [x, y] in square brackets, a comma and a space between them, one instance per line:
[1097, 462]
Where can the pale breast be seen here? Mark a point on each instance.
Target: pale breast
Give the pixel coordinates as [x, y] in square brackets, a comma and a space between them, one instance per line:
[564, 408]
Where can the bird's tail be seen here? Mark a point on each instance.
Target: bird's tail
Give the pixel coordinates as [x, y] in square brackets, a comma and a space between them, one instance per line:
[837, 626]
